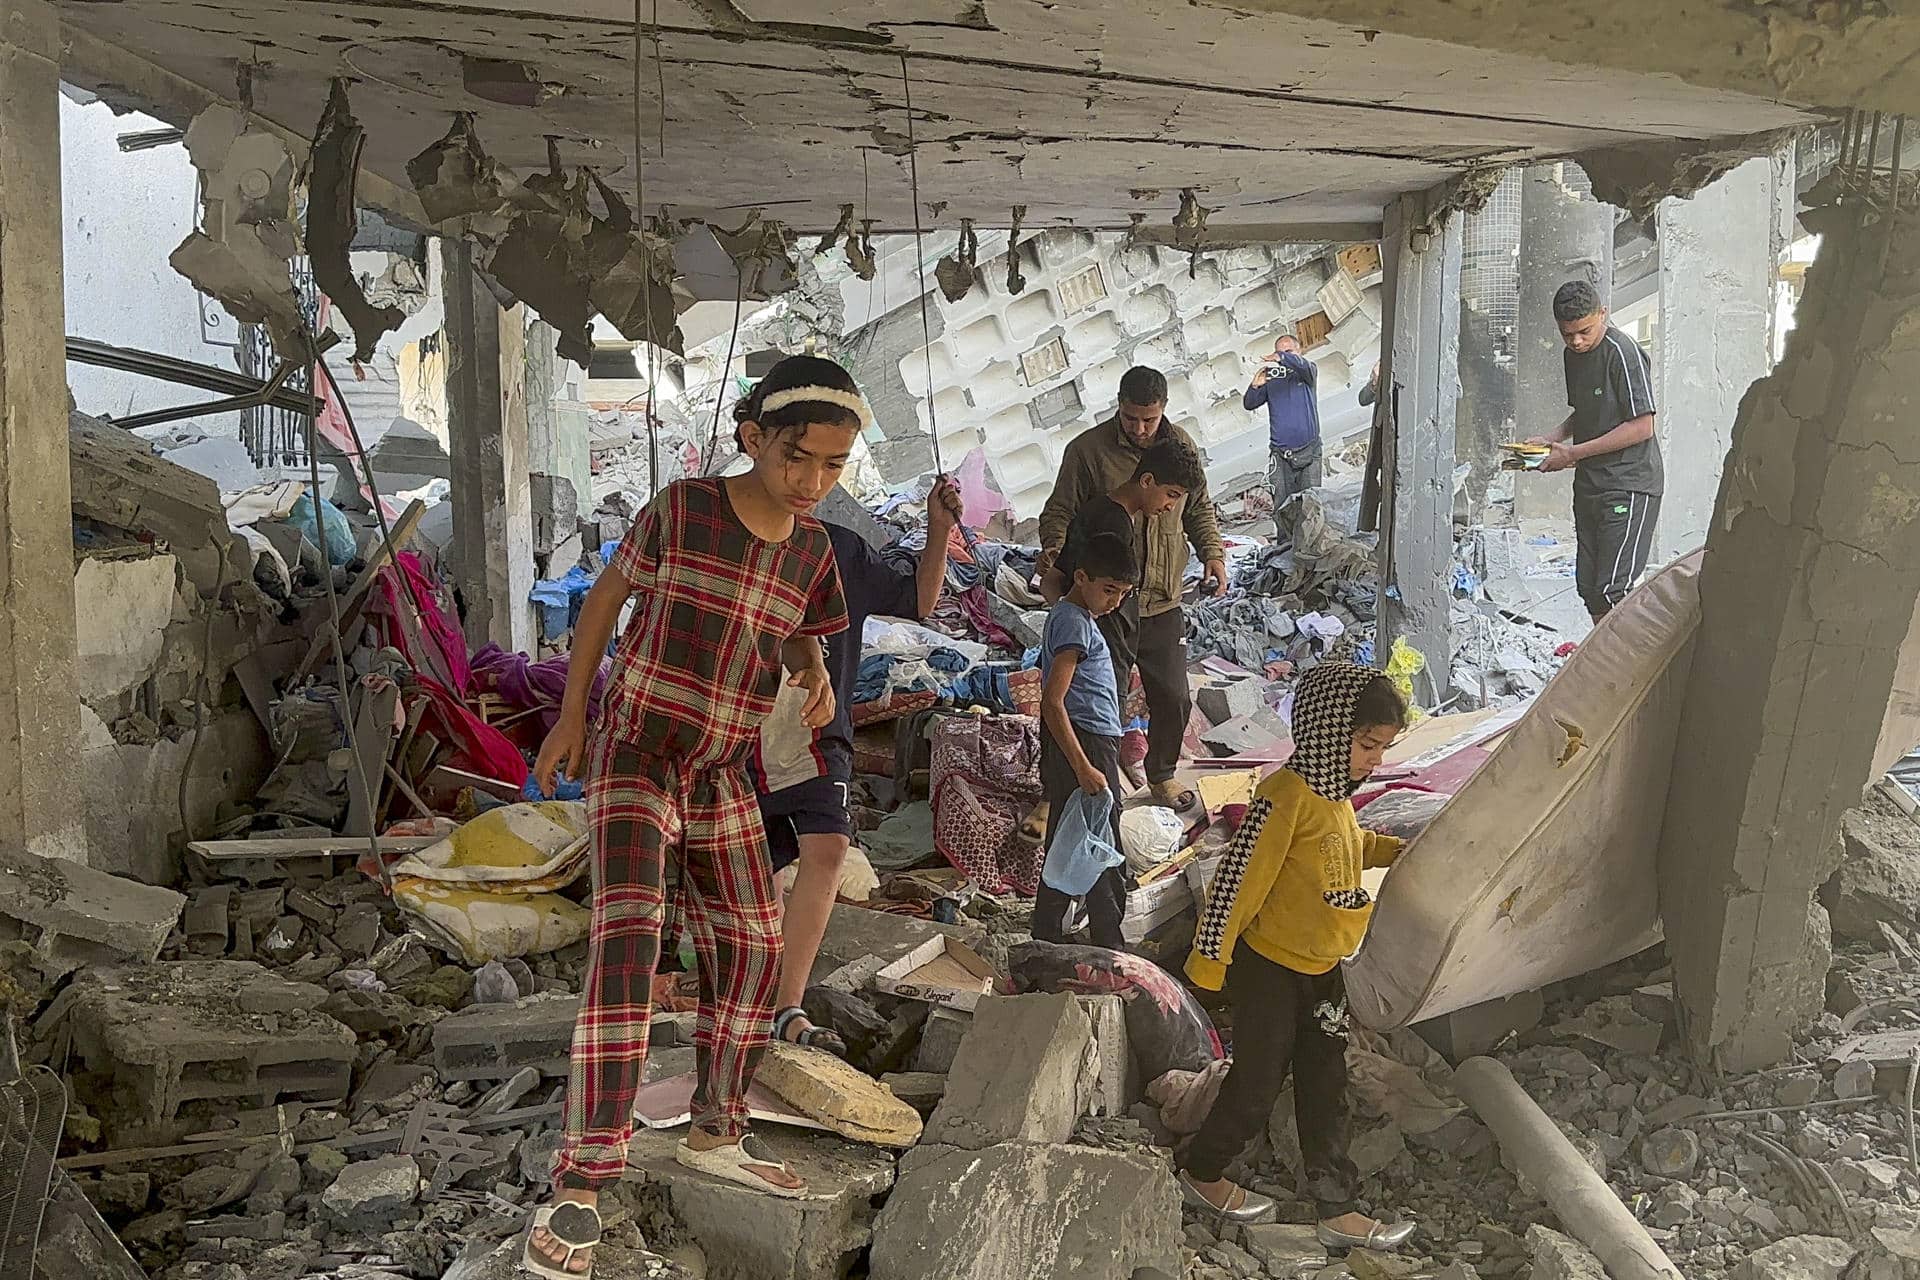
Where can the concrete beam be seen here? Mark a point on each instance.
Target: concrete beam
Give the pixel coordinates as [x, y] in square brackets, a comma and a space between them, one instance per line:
[1563, 236]
[1824, 56]
[1261, 233]
[127, 81]
[1421, 312]
[1719, 256]
[1807, 594]
[39, 707]
[487, 438]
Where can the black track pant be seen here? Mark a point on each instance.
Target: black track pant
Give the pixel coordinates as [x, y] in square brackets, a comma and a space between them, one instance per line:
[1283, 1021]
[1107, 900]
[1614, 532]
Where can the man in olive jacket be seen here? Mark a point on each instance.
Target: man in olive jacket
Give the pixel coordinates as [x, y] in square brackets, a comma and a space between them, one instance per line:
[1150, 629]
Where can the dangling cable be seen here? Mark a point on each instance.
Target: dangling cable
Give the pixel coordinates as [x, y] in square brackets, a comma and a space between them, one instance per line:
[726, 370]
[920, 260]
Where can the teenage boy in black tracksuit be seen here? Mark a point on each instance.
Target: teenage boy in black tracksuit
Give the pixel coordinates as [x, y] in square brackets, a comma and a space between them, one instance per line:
[1609, 437]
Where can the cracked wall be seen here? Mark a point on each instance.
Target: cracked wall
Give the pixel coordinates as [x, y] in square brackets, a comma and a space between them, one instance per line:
[1808, 597]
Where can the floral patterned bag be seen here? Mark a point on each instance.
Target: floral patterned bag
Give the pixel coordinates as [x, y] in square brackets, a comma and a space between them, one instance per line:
[985, 779]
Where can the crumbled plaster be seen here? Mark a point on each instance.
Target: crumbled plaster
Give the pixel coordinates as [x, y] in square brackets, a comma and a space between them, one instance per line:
[1637, 177]
[122, 608]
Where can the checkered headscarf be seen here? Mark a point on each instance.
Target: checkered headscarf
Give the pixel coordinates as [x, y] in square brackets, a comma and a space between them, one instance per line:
[1323, 707]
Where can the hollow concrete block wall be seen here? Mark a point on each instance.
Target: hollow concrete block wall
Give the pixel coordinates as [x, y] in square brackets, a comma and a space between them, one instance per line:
[1204, 324]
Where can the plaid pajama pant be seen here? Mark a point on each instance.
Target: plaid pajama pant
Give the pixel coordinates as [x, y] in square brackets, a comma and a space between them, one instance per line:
[664, 830]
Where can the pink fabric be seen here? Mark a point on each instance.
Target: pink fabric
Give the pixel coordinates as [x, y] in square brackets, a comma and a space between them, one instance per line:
[477, 746]
[430, 642]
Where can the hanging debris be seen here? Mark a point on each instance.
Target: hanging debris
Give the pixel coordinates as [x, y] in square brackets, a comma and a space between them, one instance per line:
[957, 270]
[247, 232]
[1190, 229]
[333, 219]
[861, 255]
[762, 251]
[1016, 283]
[633, 276]
[455, 177]
[543, 259]
[840, 228]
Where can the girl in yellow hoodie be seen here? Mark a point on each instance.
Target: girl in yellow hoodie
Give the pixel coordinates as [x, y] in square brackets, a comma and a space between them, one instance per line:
[1287, 906]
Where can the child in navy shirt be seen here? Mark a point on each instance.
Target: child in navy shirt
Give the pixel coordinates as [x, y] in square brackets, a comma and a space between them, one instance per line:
[1080, 725]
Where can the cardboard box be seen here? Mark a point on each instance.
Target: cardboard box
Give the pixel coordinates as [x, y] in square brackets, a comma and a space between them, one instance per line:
[940, 971]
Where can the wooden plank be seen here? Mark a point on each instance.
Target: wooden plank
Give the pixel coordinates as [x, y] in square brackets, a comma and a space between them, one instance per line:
[373, 726]
[307, 846]
[356, 598]
[449, 777]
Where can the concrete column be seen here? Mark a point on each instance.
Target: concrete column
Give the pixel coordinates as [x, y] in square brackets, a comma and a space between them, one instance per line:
[487, 445]
[39, 708]
[1807, 594]
[557, 445]
[1485, 414]
[1421, 349]
[1563, 236]
[1719, 255]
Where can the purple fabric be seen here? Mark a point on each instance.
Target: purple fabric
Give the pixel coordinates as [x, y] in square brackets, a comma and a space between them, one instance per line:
[524, 683]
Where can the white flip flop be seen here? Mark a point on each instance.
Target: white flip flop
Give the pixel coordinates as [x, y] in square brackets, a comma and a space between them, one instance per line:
[731, 1163]
[577, 1221]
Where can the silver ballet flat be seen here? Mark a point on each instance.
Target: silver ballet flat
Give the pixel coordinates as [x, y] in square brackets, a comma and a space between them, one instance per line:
[1255, 1208]
[1381, 1238]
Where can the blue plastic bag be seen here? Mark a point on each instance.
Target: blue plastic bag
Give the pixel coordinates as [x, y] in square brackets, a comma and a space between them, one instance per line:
[1082, 846]
[341, 545]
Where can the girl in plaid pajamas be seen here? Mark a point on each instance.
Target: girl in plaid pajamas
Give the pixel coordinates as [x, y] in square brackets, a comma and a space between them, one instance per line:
[731, 579]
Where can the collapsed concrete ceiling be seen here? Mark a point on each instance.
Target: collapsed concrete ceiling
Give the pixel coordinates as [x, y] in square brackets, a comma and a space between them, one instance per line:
[1085, 113]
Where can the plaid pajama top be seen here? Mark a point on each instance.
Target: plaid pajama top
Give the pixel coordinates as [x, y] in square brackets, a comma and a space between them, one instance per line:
[697, 668]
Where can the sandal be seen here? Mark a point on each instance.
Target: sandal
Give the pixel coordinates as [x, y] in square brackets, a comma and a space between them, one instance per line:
[734, 1163]
[1174, 796]
[1033, 827]
[812, 1038]
[575, 1227]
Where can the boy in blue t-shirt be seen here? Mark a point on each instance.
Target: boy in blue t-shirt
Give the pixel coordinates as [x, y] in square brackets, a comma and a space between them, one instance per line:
[1080, 725]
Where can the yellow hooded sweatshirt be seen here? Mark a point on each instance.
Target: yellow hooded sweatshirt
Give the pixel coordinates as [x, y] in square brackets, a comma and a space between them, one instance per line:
[1289, 883]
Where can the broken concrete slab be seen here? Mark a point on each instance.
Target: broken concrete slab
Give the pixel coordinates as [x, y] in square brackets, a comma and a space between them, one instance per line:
[1798, 1258]
[1254, 732]
[1044, 1212]
[838, 1095]
[120, 482]
[494, 1041]
[1285, 1248]
[1878, 879]
[856, 934]
[181, 1031]
[921, 1090]
[749, 1236]
[73, 915]
[1024, 1073]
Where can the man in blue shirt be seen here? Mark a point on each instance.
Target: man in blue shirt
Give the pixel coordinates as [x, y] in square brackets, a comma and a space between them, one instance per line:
[1287, 385]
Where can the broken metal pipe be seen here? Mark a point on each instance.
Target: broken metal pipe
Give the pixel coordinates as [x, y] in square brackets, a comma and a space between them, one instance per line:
[1541, 1153]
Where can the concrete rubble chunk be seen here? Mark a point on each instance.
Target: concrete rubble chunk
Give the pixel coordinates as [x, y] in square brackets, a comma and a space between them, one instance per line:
[1024, 1073]
[1044, 1212]
[190, 1030]
[74, 915]
[1118, 1086]
[1558, 1257]
[1225, 700]
[495, 1041]
[1798, 1258]
[749, 1236]
[1671, 1153]
[372, 1189]
[1878, 880]
[940, 1038]
[876, 938]
[1285, 1248]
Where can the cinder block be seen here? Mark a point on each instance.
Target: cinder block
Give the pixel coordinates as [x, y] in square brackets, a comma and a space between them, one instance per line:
[76, 916]
[494, 1041]
[194, 1030]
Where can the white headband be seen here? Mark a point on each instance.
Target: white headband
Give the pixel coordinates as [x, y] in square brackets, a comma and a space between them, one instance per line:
[851, 401]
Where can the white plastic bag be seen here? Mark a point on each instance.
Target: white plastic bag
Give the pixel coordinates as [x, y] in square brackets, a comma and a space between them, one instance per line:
[1150, 834]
